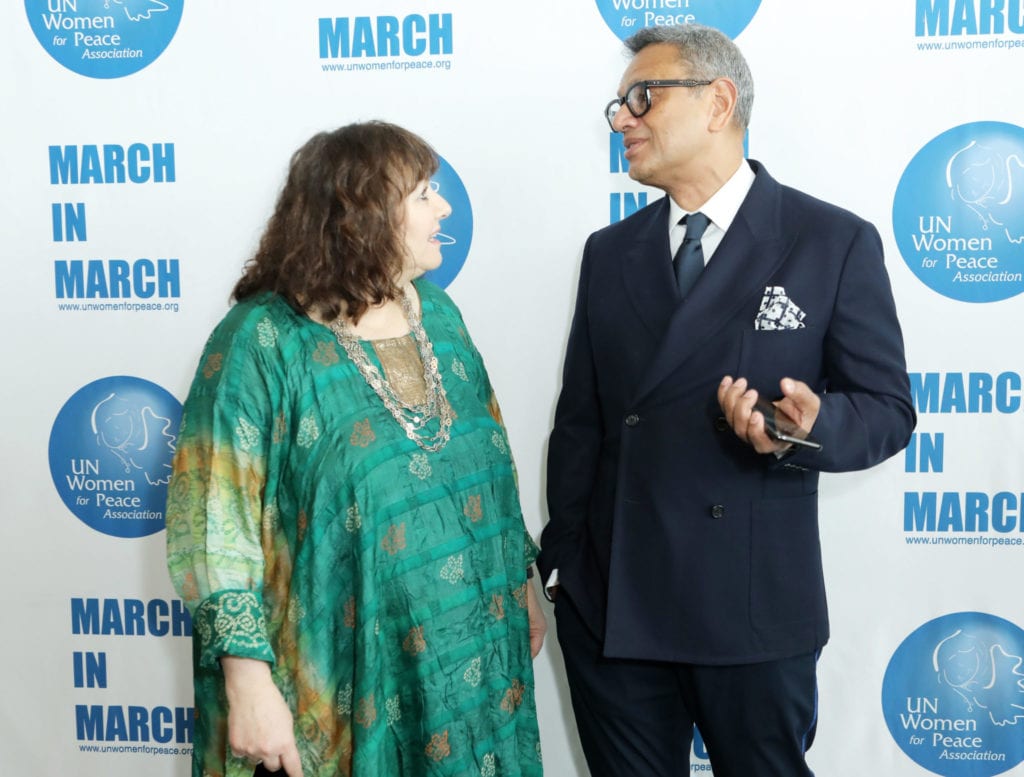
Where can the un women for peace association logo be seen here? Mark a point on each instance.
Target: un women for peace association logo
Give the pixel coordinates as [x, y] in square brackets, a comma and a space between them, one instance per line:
[953, 695]
[625, 17]
[110, 454]
[104, 38]
[958, 213]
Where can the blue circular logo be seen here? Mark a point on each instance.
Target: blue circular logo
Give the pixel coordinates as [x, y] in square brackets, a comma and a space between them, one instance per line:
[110, 454]
[456, 230]
[953, 695]
[104, 38]
[626, 17]
[958, 214]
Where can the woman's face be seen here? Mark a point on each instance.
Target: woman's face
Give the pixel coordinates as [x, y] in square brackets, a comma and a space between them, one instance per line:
[422, 212]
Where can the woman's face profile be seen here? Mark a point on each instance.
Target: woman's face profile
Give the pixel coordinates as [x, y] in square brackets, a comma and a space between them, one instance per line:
[422, 211]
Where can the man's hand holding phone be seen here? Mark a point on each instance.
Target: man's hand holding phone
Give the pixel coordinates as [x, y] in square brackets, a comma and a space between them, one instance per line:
[770, 427]
[782, 428]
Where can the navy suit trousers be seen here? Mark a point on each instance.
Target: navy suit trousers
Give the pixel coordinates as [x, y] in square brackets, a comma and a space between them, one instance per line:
[636, 718]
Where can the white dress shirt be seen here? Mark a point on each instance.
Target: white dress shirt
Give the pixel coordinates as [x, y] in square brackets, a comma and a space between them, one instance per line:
[721, 209]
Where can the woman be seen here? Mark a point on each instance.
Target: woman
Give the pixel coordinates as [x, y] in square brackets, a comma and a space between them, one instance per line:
[343, 520]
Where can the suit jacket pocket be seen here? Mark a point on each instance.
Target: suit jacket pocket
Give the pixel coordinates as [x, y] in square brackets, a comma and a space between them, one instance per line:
[786, 583]
[768, 356]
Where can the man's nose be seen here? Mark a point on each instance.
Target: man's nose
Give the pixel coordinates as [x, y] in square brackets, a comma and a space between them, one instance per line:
[622, 118]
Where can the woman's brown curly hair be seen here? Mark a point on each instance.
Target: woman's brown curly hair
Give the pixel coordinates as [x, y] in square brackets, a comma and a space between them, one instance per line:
[335, 237]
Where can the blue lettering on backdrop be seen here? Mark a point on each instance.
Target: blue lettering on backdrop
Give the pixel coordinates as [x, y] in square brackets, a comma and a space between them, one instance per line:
[925, 452]
[953, 697]
[357, 37]
[112, 163]
[110, 454]
[958, 213]
[617, 162]
[625, 17]
[130, 617]
[972, 392]
[942, 18]
[700, 750]
[119, 723]
[69, 222]
[90, 669]
[963, 512]
[117, 279]
[987, 516]
[621, 204]
[104, 38]
[624, 204]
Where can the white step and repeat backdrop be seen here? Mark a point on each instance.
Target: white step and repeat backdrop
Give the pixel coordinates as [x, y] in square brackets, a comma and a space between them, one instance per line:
[143, 145]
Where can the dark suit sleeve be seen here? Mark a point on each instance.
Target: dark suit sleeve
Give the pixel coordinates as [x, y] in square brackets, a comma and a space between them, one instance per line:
[867, 414]
[575, 442]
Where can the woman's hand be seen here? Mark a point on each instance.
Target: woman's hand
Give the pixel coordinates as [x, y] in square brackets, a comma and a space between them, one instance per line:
[260, 725]
[538, 624]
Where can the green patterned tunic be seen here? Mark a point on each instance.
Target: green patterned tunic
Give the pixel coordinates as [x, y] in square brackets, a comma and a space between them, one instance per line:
[384, 584]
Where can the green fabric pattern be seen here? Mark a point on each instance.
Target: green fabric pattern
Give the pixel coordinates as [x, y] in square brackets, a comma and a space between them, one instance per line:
[385, 585]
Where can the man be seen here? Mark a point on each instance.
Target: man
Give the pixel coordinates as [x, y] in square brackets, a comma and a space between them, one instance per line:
[682, 549]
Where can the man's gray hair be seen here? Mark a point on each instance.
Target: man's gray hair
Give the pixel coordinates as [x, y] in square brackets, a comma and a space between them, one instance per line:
[710, 54]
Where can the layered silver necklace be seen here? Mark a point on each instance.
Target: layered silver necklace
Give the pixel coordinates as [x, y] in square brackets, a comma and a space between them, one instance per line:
[413, 418]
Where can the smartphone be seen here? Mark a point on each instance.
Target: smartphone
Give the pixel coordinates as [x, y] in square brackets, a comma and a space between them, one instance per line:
[263, 771]
[781, 427]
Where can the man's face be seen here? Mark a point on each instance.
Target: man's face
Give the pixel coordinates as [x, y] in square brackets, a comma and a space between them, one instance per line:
[664, 146]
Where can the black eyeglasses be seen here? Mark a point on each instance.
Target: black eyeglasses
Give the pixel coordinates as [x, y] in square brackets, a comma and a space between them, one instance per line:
[638, 97]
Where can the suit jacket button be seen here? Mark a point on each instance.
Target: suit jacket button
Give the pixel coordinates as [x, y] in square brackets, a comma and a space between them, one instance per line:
[721, 424]
[718, 511]
[632, 419]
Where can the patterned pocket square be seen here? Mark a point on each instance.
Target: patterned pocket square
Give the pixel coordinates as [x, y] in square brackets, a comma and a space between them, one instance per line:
[778, 311]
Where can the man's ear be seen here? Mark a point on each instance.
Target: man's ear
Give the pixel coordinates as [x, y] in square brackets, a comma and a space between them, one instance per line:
[723, 103]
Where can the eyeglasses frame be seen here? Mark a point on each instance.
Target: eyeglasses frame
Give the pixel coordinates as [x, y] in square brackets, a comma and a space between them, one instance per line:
[689, 83]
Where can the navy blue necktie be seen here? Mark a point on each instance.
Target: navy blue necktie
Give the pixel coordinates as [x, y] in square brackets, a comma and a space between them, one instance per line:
[689, 259]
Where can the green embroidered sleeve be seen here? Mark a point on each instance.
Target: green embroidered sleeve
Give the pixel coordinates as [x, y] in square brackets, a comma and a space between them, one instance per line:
[231, 623]
[215, 499]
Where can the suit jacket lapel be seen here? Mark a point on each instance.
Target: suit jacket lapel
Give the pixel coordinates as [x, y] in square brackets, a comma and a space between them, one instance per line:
[745, 260]
[647, 272]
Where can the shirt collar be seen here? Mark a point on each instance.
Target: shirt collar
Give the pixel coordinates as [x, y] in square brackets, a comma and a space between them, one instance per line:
[724, 204]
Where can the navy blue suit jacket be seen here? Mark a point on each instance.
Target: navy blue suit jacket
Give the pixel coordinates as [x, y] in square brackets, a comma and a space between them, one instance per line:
[675, 540]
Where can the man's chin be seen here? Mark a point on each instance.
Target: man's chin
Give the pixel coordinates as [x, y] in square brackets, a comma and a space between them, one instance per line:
[640, 175]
